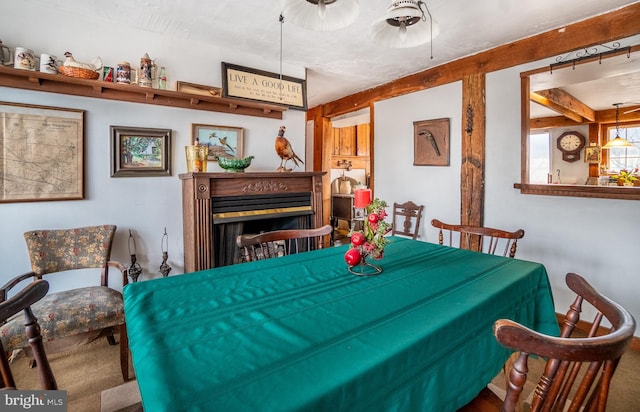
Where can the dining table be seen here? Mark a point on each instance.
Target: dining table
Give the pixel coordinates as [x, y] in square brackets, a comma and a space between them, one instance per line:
[303, 333]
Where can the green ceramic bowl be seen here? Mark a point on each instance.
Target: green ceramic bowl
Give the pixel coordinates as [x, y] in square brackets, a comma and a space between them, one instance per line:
[234, 165]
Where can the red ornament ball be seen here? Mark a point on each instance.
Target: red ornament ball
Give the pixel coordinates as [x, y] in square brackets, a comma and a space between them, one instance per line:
[357, 239]
[352, 257]
[372, 218]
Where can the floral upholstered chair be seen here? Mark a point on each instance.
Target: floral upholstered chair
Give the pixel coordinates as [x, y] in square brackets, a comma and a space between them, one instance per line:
[78, 315]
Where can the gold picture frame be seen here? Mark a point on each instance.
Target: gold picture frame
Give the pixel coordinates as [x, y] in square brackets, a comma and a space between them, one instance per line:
[140, 151]
[593, 154]
[43, 153]
[199, 89]
[223, 141]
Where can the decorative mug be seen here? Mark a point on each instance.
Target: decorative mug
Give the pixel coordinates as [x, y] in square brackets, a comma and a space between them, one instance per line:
[123, 73]
[24, 59]
[107, 74]
[6, 55]
[145, 75]
[49, 63]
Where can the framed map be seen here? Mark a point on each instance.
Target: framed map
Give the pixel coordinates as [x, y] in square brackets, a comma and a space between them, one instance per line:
[41, 153]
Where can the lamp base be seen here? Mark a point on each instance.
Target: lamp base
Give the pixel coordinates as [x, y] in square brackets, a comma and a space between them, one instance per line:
[365, 269]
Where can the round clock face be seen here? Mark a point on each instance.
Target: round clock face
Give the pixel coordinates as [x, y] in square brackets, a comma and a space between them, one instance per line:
[570, 142]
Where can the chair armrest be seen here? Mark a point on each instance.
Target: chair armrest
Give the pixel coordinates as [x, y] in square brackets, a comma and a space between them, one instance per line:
[13, 282]
[121, 268]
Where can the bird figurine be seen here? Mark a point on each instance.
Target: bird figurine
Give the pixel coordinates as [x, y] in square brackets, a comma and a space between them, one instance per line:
[96, 64]
[285, 151]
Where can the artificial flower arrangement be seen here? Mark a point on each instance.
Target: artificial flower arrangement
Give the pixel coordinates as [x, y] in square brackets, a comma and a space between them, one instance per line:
[627, 177]
[371, 240]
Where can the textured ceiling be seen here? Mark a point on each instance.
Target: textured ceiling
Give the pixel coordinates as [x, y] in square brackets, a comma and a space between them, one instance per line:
[345, 61]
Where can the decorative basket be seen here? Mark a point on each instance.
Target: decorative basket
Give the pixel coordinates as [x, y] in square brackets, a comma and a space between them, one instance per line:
[78, 72]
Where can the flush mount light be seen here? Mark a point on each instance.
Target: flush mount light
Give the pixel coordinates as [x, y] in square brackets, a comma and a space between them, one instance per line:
[405, 24]
[321, 15]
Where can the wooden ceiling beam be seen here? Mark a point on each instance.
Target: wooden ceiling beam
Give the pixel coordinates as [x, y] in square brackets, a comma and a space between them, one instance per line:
[563, 103]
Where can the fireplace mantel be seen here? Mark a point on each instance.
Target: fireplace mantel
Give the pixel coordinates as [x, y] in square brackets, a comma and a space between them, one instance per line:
[199, 193]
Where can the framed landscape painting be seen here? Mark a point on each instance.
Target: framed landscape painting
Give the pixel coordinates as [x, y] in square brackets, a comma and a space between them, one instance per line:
[140, 151]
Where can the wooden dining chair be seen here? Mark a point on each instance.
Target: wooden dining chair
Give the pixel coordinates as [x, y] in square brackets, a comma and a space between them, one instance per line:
[10, 309]
[82, 314]
[281, 242]
[578, 370]
[478, 238]
[406, 219]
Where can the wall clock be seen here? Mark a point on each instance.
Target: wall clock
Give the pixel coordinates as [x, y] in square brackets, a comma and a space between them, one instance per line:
[570, 144]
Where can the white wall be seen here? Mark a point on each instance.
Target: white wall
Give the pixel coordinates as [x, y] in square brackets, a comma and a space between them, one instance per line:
[144, 205]
[597, 238]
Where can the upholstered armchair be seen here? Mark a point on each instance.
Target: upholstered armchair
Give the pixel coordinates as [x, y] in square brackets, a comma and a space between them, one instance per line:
[79, 315]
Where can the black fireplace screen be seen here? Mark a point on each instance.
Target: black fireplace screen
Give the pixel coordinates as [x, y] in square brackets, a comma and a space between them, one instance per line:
[237, 215]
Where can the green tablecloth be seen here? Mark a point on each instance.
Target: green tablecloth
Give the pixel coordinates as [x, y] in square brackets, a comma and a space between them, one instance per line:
[302, 333]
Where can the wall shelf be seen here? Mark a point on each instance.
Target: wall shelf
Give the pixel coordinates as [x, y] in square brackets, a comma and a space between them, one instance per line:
[58, 83]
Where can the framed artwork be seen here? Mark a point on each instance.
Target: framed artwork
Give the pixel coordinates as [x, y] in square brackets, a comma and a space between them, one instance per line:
[198, 89]
[42, 153]
[223, 141]
[140, 151]
[431, 143]
[593, 154]
[259, 85]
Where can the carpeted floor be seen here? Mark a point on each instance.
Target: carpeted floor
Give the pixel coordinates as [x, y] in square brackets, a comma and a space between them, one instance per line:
[91, 375]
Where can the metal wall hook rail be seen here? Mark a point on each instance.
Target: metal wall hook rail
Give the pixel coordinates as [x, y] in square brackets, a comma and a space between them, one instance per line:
[589, 53]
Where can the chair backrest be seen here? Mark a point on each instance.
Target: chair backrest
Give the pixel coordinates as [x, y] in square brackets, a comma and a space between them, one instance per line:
[281, 242]
[22, 301]
[562, 383]
[478, 238]
[58, 250]
[406, 219]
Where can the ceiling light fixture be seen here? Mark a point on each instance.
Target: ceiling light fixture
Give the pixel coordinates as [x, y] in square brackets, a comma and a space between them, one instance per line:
[321, 15]
[617, 141]
[405, 25]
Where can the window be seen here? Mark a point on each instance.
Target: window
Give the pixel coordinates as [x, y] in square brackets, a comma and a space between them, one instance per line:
[625, 157]
[539, 152]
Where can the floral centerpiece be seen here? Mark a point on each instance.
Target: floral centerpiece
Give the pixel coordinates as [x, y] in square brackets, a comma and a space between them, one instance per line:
[626, 177]
[370, 241]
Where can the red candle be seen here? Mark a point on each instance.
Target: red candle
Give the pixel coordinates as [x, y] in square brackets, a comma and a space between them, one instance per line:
[362, 198]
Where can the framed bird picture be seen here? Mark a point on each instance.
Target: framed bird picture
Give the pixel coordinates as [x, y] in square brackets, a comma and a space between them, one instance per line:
[223, 141]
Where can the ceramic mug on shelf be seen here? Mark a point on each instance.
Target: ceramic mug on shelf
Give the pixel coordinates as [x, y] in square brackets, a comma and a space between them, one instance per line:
[25, 59]
[49, 63]
[6, 55]
[125, 74]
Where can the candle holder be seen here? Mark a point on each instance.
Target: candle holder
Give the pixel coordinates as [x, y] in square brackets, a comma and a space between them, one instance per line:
[134, 270]
[370, 242]
[365, 268]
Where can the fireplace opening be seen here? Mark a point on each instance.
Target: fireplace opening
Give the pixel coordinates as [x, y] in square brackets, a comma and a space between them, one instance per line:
[249, 214]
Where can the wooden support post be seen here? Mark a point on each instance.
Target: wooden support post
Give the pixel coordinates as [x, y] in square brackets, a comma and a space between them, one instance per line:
[473, 150]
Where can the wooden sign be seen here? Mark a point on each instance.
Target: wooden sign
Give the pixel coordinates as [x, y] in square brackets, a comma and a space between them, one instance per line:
[251, 84]
[431, 143]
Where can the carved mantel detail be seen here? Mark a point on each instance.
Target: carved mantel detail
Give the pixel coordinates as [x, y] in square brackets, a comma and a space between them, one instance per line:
[265, 186]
